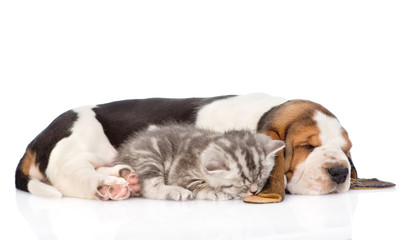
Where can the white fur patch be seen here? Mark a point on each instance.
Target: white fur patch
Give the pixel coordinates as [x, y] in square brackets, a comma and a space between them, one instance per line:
[87, 136]
[35, 173]
[39, 188]
[331, 131]
[73, 161]
[152, 128]
[236, 113]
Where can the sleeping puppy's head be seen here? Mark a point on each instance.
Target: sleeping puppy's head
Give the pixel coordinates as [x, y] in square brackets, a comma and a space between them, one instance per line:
[317, 153]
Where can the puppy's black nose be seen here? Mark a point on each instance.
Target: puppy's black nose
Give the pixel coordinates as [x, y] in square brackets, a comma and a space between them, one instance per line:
[338, 174]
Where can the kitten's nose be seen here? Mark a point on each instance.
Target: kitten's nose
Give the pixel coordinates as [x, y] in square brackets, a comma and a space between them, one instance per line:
[253, 188]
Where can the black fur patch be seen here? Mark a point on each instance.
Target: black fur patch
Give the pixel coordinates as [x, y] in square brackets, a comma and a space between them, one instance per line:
[21, 180]
[121, 119]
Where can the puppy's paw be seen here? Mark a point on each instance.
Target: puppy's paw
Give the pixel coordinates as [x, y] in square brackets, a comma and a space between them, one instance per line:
[114, 188]
[121, 171]
[133, 181]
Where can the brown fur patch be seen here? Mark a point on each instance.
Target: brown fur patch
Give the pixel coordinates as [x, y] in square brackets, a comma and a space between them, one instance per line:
[27, 161]
[30, 167]
[294, 111]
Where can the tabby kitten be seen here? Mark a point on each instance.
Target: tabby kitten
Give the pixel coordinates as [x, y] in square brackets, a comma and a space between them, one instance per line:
[181, 162]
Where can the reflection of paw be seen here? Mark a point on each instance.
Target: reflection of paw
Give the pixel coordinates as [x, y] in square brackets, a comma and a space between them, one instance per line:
[114, 188]
[180, 194]
[133, 181]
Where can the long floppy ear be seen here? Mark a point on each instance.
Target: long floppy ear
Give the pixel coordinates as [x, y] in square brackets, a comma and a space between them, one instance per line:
[353, 171]
[274, 191]
[365, 183]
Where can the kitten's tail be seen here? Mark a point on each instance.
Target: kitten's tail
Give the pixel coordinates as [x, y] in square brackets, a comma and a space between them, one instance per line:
[28, 183]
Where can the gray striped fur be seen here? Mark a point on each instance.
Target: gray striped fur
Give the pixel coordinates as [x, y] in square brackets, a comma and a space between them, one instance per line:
[181, 162]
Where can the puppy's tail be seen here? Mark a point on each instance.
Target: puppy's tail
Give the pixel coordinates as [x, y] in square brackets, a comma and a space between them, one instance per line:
[33, 184]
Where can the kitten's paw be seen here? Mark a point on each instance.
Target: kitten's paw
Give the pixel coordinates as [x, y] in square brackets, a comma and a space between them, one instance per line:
[221, 196]
[215, 196]
[114, 188]
[180, 194]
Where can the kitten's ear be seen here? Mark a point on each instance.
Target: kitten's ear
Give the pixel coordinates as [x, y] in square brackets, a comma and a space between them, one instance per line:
[213, 160]
[271, 146]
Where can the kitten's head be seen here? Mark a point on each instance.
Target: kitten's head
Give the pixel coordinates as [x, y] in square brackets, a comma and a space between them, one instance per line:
[239, 163]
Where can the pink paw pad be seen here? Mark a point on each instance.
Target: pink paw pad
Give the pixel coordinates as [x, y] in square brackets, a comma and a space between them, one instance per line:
[113, 192]
[133, 182]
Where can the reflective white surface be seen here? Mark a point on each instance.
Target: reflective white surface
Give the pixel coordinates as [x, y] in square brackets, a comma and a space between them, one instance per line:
[353, 215]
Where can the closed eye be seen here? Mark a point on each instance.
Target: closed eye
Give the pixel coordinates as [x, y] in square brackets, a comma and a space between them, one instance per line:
[309, 147]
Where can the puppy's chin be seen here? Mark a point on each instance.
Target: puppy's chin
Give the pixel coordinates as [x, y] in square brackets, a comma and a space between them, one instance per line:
[316, 186]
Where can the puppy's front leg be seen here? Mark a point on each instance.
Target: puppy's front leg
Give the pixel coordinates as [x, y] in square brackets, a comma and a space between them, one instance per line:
[77, 177]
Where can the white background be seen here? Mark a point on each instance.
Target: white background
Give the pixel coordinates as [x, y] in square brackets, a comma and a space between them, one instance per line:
[347, 55]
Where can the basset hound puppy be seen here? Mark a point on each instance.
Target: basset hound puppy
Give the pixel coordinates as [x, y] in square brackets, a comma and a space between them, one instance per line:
[317, 155]
[74, 154]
